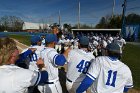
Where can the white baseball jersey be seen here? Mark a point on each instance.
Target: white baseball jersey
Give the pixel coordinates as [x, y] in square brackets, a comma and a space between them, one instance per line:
[78, 64]
[111, 76]
[49, 55]
[111, 38]
[75, 44]
[121, 42]
[43, 42]
[34, 57]
[14, 79]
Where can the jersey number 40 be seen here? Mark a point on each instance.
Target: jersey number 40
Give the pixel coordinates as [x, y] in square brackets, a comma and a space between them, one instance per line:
[33, 57]
[83, 66]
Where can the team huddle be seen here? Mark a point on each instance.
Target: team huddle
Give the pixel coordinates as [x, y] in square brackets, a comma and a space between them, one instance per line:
[37, 66]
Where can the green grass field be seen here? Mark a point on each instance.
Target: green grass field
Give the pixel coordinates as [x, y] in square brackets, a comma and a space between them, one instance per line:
[131, 57]
[23, 39]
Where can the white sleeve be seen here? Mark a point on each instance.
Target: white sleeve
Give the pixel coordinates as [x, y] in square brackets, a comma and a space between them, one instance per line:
[36, 76]
[124, 42]
[94, 69]
[52, 55]
[69, 56]
[129, 83]
[27, 77]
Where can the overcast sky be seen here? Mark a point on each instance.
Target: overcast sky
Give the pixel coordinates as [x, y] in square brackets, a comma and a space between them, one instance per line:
[48, 10]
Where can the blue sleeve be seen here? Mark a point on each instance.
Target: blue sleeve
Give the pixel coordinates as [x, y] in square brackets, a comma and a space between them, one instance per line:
[125, 89]
[59, 60]
[85, 84]
[23, 56]
[44, 77]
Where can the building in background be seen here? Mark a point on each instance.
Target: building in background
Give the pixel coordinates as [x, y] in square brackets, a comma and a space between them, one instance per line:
[35, 27]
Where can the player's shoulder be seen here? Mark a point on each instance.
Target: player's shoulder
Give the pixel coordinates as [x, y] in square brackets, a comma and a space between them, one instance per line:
[18, 70]
[47, 50]
[37, 46]
[126, 68]
[73, 51]
[24, 71]
[100, 59]
[24, 50]
[90, 55]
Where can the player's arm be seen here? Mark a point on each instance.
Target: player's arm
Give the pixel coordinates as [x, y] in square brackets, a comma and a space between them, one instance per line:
[129, 83]
[126, 88]
[42, 75]
[24, 55]
[91, 75]
[85, 84]
[38, 78]
[58, 59]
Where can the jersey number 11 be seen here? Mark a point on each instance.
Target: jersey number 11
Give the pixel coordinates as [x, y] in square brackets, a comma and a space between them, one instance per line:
[109, 83]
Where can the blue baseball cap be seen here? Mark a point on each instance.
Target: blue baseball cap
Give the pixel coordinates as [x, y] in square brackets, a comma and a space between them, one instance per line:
[84, 40]
[114, 47]
[35, 39]
[51, 38]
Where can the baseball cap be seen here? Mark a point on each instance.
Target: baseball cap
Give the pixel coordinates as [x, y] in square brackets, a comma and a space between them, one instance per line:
[84, 40]
[51, 38]
[54, 25]
[114, 47]
[35, 39]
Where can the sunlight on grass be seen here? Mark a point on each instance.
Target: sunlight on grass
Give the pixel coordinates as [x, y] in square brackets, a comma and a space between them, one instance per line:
[131, 57]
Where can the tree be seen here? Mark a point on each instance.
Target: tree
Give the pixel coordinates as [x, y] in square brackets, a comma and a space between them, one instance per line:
[11, 23]
[116, 21]
[4, 23]
[133, 19]
[109, 22]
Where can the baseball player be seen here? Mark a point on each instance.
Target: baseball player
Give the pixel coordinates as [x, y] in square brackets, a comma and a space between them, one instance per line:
[42, 36]
[108, 74]
[35, 43]
[52, 60]
[13, 78]
[121, 42]
[78, 64]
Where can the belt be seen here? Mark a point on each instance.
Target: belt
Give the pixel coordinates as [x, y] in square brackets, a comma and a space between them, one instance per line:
[49, 82]
[69, 80]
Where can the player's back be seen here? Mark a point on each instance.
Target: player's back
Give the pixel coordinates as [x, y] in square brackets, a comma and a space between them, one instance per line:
[34, 56]
[48, 55]
[15, 79]
[78, 64]
[113, 76]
